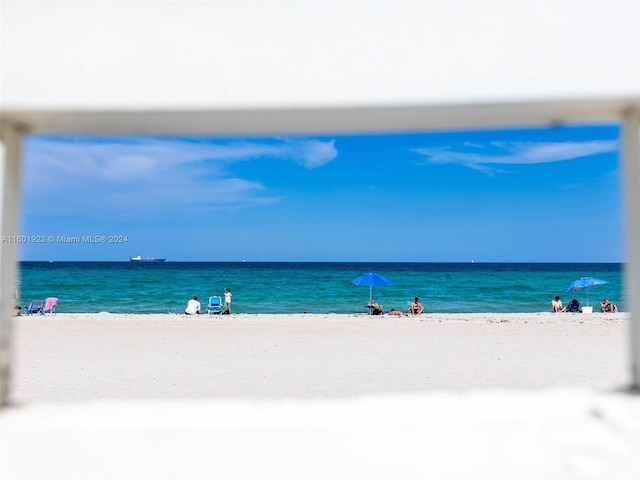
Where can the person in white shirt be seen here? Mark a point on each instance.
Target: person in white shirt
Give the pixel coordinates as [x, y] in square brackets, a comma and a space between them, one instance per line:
[227, 300]
[193, 306]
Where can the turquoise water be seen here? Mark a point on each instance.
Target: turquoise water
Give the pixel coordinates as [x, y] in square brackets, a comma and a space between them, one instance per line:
[127, 287]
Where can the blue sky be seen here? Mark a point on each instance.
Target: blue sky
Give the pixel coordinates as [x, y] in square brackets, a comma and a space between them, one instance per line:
[521, 195]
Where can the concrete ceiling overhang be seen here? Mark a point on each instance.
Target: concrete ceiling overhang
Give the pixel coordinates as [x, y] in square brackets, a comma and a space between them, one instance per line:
[314, 67]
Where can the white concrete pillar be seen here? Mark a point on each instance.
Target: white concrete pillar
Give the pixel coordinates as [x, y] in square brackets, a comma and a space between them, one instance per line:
[631, 172]
[10, 168]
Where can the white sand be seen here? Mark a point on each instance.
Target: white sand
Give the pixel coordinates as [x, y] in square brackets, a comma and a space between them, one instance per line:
[531, 396]
[90, 356]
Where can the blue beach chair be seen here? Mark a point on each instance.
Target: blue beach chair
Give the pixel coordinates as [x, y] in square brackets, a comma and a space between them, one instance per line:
[35, 307]
[215, 305]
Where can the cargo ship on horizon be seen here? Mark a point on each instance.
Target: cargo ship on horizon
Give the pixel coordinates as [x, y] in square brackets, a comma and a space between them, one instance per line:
[146, 259]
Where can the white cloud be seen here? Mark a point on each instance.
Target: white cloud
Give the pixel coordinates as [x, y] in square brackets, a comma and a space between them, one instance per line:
[131, 167]
[117, 158]
[138, 174]
[315, 153]
[482, 157]
[308, 153]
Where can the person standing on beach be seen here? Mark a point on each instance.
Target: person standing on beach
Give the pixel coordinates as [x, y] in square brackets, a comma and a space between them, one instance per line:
[193, 306]
[227, 300]
[556, 305]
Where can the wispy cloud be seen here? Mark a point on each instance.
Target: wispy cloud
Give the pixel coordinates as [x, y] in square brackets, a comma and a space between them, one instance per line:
[124, 158]
[313, 153]
[308, 153]
[137, 173]
[483, 157]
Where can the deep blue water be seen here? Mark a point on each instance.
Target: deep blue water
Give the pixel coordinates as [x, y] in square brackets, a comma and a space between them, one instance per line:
[127, 287]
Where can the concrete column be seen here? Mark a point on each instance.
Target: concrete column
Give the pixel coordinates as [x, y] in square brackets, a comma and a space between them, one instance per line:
[10, 168]
[631, 172]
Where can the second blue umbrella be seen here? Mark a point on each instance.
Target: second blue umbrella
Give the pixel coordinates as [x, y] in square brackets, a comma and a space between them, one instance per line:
[585, 283]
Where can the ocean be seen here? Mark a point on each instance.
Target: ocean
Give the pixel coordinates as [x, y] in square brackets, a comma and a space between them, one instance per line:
[290, 287]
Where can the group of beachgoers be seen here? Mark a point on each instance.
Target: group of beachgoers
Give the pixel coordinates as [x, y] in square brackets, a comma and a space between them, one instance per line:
[415, 308]
[574, 306]
[195, 308]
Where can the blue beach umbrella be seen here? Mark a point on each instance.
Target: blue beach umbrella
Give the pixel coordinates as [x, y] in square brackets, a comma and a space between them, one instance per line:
[371, 280]
[585, 283]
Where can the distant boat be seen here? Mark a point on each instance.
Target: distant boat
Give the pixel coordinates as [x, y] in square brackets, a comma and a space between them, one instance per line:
[146, 259]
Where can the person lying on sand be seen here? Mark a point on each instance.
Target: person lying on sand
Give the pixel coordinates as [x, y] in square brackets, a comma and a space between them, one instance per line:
[393, 311]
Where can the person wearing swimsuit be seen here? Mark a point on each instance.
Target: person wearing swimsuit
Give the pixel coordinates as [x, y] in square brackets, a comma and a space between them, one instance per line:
[375, 308]
[416, 307]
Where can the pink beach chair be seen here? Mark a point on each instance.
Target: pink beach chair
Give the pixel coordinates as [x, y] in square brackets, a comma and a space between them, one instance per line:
[50, 305]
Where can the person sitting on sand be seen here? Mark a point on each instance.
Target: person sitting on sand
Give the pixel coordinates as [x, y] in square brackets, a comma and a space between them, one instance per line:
[556, 305]
[376, 308]
[193, 306]
[393, 311]
[574, 306]
[607, 307]
[416, 307]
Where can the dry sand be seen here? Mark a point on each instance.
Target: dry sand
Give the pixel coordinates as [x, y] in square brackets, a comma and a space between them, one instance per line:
[90, 356]
[526, 396]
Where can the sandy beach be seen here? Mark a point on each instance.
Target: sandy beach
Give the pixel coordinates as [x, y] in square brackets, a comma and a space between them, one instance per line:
[465, 396]
[95, 356]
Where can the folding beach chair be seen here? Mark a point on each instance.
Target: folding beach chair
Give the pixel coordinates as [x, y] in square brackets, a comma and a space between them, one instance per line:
[34, 307]
[49, 305]
[215, 305]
